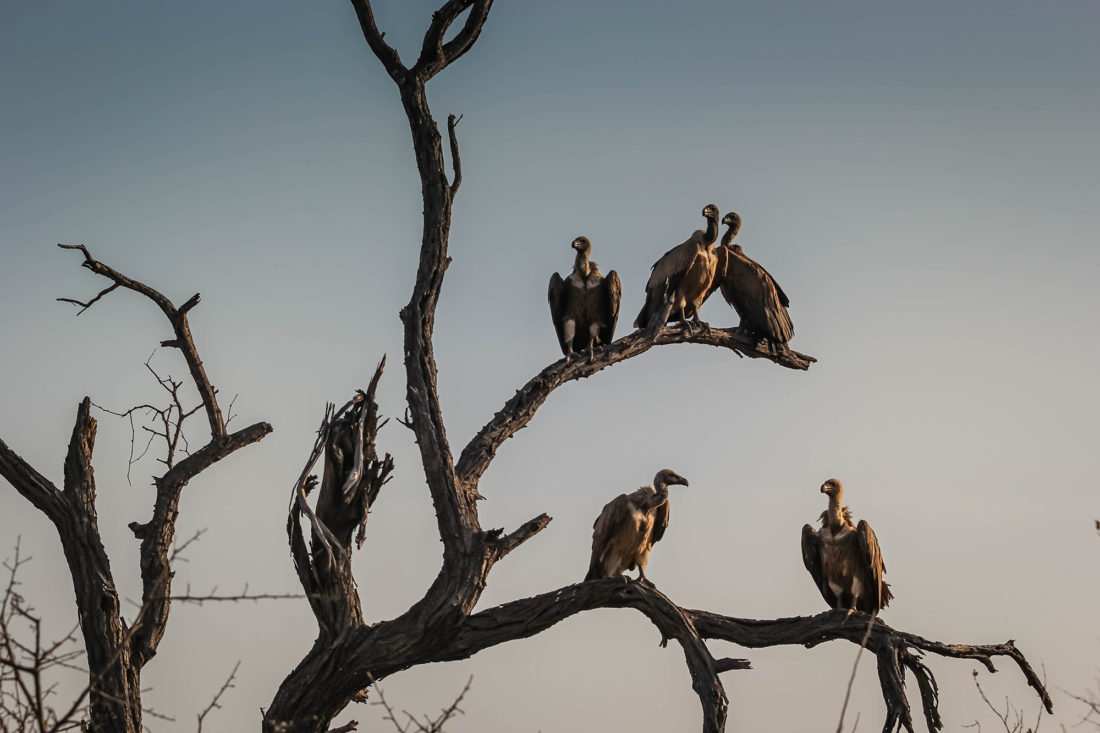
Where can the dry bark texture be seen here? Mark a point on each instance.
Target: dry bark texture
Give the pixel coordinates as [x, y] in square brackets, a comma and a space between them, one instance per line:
[118, 650]
[348, 655]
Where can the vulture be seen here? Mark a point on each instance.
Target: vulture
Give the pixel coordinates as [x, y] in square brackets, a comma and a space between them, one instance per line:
[629, 526]
[585, 305]
[687, 270]
[751, 290]
[844, 558]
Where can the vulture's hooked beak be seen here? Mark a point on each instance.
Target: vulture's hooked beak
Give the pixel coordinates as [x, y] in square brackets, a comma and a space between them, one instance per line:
[681, 481]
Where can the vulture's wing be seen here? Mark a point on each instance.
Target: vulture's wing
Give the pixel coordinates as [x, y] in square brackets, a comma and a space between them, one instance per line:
[660, 523]
[612, 291]
[753, 294]
[673, 264]
[778, 290]
[811, 557]
[872, 567]
[616, 516]
[556, 296]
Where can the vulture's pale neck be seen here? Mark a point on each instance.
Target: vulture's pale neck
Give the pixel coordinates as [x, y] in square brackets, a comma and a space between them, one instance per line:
[730, 234]
[581, 265]
[711, 235]
[834, 515]
[661, 489]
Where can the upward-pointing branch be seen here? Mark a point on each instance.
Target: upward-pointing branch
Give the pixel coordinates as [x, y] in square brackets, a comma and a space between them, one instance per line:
[521, 408]
[177, 317]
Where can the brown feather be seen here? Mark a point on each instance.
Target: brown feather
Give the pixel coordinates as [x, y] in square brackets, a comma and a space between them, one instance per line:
[687, 272]
[845, 560]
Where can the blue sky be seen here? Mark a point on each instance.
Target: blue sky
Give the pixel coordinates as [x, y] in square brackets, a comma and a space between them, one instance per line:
[922, 180]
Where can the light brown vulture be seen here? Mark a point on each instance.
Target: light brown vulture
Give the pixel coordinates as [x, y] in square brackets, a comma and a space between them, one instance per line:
[629, 526]
[585, 305]
[751, 290]
[844, 558]
[687, 271]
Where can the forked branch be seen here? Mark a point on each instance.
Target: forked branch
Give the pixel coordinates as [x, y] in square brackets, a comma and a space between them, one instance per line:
[176, 316]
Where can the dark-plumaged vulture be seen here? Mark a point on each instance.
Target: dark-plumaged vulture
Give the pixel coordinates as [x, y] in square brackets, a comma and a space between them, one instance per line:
[687, 272]
[751, 290]
[629, 526]
[585, 305]
[844, 558]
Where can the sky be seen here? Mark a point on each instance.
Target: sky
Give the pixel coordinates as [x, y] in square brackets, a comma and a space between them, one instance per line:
[922, 179]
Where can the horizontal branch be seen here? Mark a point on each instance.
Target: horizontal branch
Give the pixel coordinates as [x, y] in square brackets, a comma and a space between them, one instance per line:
[530, 616]
[521, 408]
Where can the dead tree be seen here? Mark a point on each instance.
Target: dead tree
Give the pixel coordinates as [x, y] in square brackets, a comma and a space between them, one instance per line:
[118, 649]
[349, 656]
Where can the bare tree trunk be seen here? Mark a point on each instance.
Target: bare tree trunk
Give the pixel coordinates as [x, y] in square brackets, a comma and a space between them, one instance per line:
[117, 651]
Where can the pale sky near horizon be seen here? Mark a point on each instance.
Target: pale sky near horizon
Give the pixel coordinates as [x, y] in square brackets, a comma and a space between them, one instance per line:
[923, 180]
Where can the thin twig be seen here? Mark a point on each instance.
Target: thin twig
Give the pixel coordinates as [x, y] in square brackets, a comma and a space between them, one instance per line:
[852, 677]
[215, 703]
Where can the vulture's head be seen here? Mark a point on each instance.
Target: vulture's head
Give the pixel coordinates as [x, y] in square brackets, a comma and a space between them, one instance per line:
[832, 487]
[668, 477]
[710, 211]
[581, 244]
[733, 221]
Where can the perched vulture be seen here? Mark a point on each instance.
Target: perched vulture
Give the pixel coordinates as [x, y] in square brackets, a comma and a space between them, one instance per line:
[629, 526]
[844, 558]
[585, 305]
[751, 290]
[686, 270]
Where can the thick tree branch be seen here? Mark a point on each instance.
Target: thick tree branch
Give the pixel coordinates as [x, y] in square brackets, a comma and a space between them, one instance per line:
[159, 532]
[436, 55]
[389, 57]
[353, 477]
[33, 486]
[521, 408]
[896, 650]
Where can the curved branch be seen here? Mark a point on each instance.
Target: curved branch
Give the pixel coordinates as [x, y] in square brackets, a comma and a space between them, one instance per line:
[529, 616]
[521, 408]
[456, 161]
[896, 650]
[177, 317]
[376, 40]
[436, 55]
[158, 533]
